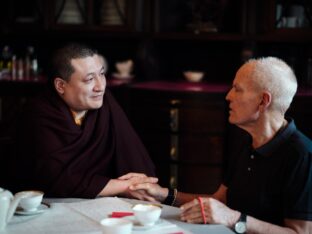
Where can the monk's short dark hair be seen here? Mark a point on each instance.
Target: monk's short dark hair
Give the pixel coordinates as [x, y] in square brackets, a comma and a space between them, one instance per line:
[60, 65]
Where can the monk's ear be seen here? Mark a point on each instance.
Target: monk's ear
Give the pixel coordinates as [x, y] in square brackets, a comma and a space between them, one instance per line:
[59, 85]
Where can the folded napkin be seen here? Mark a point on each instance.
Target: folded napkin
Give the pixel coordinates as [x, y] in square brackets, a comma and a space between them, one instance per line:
[121, 214]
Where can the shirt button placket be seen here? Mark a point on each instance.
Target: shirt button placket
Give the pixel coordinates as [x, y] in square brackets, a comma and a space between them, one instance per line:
[251, 157]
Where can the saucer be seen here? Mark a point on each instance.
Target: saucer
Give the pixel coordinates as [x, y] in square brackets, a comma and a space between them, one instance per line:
[138, 226]
[42, 208]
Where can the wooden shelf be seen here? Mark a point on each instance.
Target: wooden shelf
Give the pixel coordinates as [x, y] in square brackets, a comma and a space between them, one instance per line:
[290, 35]
[200, 36]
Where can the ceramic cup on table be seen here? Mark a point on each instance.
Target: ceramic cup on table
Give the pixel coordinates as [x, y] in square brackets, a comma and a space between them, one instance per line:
[116, 226]
[147, 214]
[31, 199]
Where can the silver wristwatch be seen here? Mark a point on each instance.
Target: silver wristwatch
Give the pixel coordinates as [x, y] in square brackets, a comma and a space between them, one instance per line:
[240, 226]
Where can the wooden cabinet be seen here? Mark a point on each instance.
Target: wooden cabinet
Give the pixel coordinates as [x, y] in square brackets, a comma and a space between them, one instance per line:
[12, 98]
[284, 16]
[301, 112]
[183, 132]
[199, 17]
[283, 29]
[76, 15]
[165, 38]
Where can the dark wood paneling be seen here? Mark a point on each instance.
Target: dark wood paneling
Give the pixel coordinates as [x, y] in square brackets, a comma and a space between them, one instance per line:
[184, 134]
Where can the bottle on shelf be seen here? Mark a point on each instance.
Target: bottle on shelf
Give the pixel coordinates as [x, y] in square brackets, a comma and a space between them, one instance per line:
[31, 64]
[5, 63]
[20, 69]
[14, 67]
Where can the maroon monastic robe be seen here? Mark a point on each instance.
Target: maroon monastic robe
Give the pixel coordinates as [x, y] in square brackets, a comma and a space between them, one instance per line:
[65, 160]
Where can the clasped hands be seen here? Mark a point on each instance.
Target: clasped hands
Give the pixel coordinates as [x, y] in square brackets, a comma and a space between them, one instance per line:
[211, 211]
[134, 179]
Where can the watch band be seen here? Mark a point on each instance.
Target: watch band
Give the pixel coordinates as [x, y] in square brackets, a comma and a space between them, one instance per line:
[170, 199]
[243, 218]
[240, 227]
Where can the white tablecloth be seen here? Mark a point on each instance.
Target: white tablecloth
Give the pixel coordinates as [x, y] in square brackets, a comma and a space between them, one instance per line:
[83, 216]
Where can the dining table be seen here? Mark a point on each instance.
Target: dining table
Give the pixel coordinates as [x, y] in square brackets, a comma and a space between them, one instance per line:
[83, 216]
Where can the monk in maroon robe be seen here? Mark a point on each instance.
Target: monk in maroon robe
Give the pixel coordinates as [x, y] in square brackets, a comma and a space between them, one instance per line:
[75, 140]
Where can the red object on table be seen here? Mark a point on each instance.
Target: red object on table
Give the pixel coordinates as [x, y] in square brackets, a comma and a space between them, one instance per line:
[121, 214]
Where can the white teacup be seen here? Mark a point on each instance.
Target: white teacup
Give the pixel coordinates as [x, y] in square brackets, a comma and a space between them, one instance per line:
[147, 214]
[30, 200]
[116, 226]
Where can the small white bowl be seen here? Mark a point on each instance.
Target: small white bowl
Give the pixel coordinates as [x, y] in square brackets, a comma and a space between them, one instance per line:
[147, 214]
[116, 226]
[30, 200]
[124, 69]
[193, 76]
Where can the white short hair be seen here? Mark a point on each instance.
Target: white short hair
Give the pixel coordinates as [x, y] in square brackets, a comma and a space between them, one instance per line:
[277, 77]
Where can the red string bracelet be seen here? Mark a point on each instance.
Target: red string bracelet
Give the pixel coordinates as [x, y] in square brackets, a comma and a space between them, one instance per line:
[202, 209]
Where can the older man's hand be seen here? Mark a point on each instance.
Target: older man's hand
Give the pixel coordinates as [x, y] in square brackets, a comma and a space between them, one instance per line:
[215, 212]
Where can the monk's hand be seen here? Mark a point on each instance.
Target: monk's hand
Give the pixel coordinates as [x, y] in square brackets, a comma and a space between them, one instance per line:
[151, 189]
[137, 178]
[215, 212]
[140, 195]
[140, 177]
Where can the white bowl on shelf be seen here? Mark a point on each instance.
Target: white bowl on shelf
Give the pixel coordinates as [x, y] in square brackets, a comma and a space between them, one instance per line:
[193, 76]
[124, 69]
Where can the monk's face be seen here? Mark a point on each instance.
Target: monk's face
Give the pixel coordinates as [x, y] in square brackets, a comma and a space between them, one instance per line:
[86, 86]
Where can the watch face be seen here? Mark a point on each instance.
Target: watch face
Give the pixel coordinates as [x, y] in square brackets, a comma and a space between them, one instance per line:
[240, 227]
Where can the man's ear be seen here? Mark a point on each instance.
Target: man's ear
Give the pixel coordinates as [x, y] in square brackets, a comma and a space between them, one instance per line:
[266, 100]
[59, 85]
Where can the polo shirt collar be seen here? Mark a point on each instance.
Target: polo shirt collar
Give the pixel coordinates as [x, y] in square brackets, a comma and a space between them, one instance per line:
[282, 136]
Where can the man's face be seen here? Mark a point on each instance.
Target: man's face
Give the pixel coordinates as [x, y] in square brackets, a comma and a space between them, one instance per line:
[86, 86]
[244, 99]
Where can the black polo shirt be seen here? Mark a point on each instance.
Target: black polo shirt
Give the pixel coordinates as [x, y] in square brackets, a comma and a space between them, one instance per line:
[272, 182]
